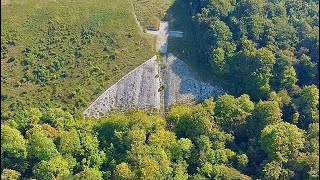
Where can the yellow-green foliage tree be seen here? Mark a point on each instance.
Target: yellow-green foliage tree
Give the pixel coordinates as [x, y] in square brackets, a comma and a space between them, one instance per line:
[13, 148]
[54, 168]
[9, 174]
[282, 141]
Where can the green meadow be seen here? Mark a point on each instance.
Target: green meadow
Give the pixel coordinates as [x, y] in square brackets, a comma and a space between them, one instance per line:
[65, 53]
[151, 12]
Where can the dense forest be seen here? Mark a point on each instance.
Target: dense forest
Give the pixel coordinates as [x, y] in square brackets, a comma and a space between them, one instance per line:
[268, 128]
[230, 138]
[259, 45]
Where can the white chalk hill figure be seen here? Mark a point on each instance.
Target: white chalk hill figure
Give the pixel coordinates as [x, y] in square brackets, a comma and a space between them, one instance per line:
[141, 87]
[137, 89]
[183, 86]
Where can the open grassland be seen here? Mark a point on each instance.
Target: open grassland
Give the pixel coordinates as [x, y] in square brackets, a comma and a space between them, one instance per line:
[66, 53]
[151, 12]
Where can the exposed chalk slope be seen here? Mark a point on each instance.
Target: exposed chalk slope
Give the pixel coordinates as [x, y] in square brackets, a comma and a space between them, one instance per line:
[162, 39]
[138, 89]
[182, 84]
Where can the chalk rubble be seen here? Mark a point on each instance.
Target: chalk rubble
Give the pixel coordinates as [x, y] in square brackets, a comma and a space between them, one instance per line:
[137, 89]
[141, 87]
[183, 86]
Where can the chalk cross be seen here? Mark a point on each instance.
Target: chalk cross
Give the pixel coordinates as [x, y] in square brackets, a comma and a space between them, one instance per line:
[162, 36]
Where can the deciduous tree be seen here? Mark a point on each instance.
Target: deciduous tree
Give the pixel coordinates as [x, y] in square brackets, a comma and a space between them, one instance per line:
[282, 141]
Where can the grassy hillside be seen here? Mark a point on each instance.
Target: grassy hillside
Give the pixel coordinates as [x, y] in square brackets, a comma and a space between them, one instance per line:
[150, 12]
[65, 53]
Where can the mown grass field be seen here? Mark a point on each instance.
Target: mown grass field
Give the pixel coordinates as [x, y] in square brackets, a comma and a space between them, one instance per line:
[65, 53]
[151, 12]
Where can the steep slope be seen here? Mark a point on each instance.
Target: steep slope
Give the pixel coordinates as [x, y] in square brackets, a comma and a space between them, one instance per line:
[154, 85]
[138, 89]
[183, 84]
[65, 53]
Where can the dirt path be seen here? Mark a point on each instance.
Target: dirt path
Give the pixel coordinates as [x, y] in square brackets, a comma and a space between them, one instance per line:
[162, 39]
[135, 18]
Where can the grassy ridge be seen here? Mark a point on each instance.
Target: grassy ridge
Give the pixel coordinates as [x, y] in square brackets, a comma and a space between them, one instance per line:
[65, 53]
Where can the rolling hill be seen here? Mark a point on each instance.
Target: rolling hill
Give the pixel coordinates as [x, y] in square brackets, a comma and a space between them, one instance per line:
[65, 53]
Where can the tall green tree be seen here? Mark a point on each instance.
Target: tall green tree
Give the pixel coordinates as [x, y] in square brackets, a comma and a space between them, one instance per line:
[284, 74]
[89, 174]
[273, 170]
[93, 157]
[218, 61]
[69, 142]
[282, 141]
[58, 118]
[225, 172]
[251, 70]
[246, 8]
[13, 148]
[219, 8]
[40, 146]
[308, 104]
[265, 113]
[190, 122]
[27, 119]
[54, 168]
[231, 113]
